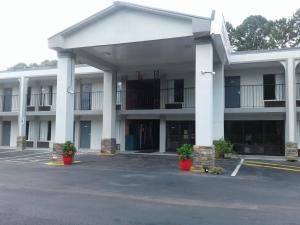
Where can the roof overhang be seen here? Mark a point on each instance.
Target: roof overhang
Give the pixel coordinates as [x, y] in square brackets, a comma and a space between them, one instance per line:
[125, 23]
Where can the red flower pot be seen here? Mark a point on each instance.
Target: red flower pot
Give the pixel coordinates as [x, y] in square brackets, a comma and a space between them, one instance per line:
[68, 160]
[185, 164]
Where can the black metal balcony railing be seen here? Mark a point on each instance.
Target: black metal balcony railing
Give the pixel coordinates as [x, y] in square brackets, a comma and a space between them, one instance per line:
[88, 100]
[41, 102]
[255, 96]
[162, 99]
[9, 103]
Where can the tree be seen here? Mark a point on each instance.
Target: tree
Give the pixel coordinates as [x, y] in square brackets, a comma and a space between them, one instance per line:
[252, 34]
[45, 63]
[19, 66]
[48, 63]
[256, 32]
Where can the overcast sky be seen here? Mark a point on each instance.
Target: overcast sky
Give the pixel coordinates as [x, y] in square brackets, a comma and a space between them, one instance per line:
[26, 25]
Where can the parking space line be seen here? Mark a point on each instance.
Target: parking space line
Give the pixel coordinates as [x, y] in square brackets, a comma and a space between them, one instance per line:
[272, 164]
[237, 168]
[272, 167]
[23, 156]
[10, 151]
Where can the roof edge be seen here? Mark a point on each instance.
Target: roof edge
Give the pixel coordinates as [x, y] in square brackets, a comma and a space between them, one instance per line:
[120, 4]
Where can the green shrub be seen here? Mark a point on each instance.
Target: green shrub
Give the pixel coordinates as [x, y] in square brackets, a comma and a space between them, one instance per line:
[223, 147]
[216, 170]
[185, 151]
[68, 149]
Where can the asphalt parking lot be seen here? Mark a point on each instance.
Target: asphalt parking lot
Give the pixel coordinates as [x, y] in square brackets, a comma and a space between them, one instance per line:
[142, 190]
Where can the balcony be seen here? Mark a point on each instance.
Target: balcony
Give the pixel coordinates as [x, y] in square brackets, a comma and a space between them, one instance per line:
[41, 102]
[255, 96]
[9, 103]
[162, 99]
[88, 101]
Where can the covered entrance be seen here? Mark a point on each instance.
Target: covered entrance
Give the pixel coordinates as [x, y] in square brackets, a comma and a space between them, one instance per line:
[142, 135]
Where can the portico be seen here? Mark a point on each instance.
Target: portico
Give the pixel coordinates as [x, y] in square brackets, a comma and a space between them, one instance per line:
[124, 41]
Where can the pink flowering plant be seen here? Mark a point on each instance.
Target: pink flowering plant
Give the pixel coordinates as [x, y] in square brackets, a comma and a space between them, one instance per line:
[68, 149]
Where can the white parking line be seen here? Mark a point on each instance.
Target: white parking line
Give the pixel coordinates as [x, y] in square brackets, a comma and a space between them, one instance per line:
[237, 168]
[27, 158]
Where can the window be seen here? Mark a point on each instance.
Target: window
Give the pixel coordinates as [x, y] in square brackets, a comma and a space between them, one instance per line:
[50, 95]
[28, 99]
[27, 130]
[269, 87]
[178, 90]
[45, 130]
[49, 131]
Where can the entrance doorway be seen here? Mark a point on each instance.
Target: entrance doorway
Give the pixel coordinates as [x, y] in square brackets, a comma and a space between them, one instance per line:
[179, 133]
[85, 134]
[142, 135]
[6, 126]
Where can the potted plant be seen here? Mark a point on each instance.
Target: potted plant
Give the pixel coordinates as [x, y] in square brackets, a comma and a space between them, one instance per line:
[224, 149]
[185, 153]
[68, 150]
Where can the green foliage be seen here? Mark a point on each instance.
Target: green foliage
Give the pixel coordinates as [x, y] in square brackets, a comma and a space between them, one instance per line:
[43, 64]
[223, 147]
[256, 32]
[68, 149]
[185, 151]
[216, 170]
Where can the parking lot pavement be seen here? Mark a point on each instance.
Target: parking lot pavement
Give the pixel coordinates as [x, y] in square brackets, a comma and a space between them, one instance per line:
[26, 156]
[271, 170]
[143, 190]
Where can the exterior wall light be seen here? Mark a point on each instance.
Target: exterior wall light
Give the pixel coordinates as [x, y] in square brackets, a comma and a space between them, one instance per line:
[208, 72]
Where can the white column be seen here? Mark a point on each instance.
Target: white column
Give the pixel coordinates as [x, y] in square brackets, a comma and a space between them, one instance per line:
[218, 101]
[204, 94]
[109, 105]
[162, 134]
[290, 80]
[65, 98]
[108, 142]
[22, 107]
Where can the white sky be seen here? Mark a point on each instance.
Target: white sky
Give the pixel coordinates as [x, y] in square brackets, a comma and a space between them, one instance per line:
[26, 25]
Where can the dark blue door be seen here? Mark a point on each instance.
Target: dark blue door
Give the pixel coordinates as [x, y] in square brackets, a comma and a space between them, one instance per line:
[232, 92]
[85, 134]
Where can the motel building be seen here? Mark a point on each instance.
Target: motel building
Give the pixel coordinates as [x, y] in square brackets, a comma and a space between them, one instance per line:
[137, 79]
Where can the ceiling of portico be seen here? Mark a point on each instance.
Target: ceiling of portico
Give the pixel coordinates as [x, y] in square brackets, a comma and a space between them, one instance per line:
[172, 52]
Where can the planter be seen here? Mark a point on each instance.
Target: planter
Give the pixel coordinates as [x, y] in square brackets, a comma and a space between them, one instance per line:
[228, 155]
[185, 164]
[68, 160]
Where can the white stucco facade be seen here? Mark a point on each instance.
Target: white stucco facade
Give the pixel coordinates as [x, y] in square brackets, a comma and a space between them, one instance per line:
[164, 79]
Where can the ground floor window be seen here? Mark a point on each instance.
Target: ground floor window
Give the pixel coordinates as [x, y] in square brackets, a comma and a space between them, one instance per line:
[178, 133]
[256, 137]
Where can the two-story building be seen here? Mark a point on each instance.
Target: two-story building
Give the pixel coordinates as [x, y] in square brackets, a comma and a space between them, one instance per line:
[153, 80]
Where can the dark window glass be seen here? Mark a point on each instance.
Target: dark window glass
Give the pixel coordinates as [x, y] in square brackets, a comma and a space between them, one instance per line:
[28, 96]
[178, 90]
[269, 87]
[27, 129]
[49, 131]
[50, 94]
